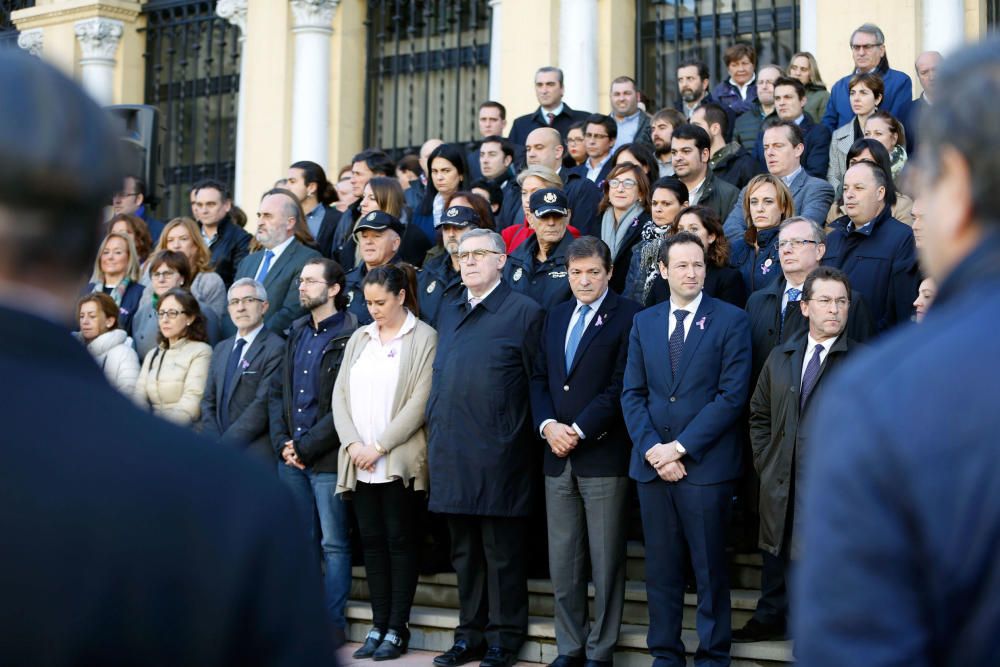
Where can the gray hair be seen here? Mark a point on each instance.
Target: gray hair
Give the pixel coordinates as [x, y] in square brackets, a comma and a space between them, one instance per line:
[819, 236]
[550, 176]
[548, 69]
[870, 29]
[495, 239]
[259, 290]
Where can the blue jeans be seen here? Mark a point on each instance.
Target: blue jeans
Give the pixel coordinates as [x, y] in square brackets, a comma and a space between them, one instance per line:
[315, 497]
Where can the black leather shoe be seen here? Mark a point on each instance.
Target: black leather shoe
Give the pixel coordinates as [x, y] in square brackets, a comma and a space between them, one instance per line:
[393, 645]
[459, 654]
[497, 656]
[372, 642]
[755, 631]
[568, 661]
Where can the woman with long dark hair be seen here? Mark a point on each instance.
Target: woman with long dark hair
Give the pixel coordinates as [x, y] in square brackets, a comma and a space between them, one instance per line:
[448, 173]
[378, 408]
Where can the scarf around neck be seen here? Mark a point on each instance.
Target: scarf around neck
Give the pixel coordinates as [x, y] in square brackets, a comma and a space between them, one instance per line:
[614, 237]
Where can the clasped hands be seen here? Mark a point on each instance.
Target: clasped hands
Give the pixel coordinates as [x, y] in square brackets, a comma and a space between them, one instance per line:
[562, 439]
[289, 456]
[363, 456]
[665, 459]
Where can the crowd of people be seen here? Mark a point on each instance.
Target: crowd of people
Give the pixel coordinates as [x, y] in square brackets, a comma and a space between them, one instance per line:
[533, 325]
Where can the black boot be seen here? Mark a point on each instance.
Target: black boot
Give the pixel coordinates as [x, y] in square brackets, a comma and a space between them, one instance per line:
[372, 642]
[393, 645]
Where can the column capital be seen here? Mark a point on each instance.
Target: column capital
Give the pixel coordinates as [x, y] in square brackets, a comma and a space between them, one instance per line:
[98, 37]
[494, 3]
[31, 41]
[313, 14]
[234, 11]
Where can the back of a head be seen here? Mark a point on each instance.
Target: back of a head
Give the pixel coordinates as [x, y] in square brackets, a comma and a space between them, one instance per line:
[60, 162]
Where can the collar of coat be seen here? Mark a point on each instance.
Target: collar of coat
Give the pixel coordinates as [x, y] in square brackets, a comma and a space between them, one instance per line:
[798, 342]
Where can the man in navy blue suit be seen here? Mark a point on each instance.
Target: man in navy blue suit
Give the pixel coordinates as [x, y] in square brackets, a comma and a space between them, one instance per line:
[575, 392]
[685, 388]
[902, 512]
[126, 540]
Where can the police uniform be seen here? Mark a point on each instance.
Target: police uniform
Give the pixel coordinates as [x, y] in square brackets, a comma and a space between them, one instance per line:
[378, 221]
[438, 282]
[544, 281]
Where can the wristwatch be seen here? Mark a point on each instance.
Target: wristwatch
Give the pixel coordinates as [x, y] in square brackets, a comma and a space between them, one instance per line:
[680, 448]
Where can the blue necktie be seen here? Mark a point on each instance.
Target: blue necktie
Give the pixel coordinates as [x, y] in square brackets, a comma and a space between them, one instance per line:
[265, 266]
[677, 340]
[227, 383]
[575, 335]
[794, 295]
[810, 377]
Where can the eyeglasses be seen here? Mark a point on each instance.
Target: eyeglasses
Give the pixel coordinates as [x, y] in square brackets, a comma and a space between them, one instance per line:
[794, 244]
[169, 314]
[857, 48]
[478, 255]
[309, 281]
[246, 301]
[591, 135]
[826, 302]
[626, 183]
[163, 275]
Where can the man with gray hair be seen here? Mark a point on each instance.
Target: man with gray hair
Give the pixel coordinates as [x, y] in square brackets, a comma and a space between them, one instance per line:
[868, 51]
[926, 66]
[234, 405]
[482, 453]
[551, 112]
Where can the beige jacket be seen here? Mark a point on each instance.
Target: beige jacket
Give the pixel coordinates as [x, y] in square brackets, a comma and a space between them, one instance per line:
[405, 438]
[172, 380]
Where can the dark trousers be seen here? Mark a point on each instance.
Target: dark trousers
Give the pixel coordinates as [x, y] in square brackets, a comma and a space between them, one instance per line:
[488, 555]
[772, 607]
[675, 514]
[387, 520]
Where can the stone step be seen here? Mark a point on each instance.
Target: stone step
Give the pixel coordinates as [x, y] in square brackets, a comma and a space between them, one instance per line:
[744, 570]
[432, 630]
[441, 590]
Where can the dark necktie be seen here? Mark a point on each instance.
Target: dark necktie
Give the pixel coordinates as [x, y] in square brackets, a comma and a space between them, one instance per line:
[227, 384]
[794, 295]
[551, 116]
[810, 377]
[677, 340]
[575, 334]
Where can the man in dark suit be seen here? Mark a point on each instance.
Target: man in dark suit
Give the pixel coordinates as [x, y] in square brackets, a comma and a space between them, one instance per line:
[599, 136]
[871, 246]
[552, 111]
[789, 384]
[690, 154]
[277, 266]
[693, 84]
[926, 66]
[790, 106]
[481, 450]
[234, 406]
[685, 389]
[575, 399]
[180, 552]
[229, 243]
[901, 517]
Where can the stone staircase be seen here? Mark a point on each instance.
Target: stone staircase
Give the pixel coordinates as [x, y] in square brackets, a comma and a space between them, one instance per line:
[435, 615]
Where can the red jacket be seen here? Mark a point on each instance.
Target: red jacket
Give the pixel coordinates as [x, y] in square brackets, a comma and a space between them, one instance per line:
[515, 235]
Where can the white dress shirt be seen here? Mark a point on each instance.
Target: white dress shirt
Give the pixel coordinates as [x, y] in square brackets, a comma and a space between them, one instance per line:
[692, 310]
[811, 350]
[694, 194]
[784, 295]
[249, 338]
[374, 377]
[276, 252]
[744, 88]
[594, 172]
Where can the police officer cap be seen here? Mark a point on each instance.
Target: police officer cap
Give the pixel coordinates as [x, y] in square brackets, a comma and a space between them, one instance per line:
[459, 216]
[549, 201]
[379, 221]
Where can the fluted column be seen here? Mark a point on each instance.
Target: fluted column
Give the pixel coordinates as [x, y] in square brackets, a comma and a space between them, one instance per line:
[312, 26]
[578, 52]
[98, 39]
[496, 58]
[235, 11]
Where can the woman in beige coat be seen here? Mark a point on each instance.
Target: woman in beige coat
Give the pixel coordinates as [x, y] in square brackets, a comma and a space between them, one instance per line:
[378, 408]
[172, 379]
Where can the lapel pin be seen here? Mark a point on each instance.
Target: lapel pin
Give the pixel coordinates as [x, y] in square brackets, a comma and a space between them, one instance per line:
[701, 323]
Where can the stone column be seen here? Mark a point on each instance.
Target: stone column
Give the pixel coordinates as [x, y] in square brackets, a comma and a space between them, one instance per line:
[808, 36]
[496, 58]
[235, 11]
[31, 41]
[98, 39]
[578, 52]
[312, 26]
[943, 27]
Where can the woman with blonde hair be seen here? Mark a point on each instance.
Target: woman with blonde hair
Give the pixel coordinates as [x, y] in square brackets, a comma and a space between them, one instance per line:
[136, 228]
[182, 235]
[767, 201]
[116, 273]
[803, 66]
[385, 194]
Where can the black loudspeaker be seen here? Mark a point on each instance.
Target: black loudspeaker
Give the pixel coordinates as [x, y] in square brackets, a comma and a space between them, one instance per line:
[139, 125]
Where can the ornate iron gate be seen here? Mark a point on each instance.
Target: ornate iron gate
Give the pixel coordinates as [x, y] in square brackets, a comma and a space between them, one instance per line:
[193, 77]
[428, 70]
[670, 31]
[8, 31]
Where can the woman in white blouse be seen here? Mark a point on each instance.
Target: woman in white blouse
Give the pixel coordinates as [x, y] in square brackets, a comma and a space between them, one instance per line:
[378, 409]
